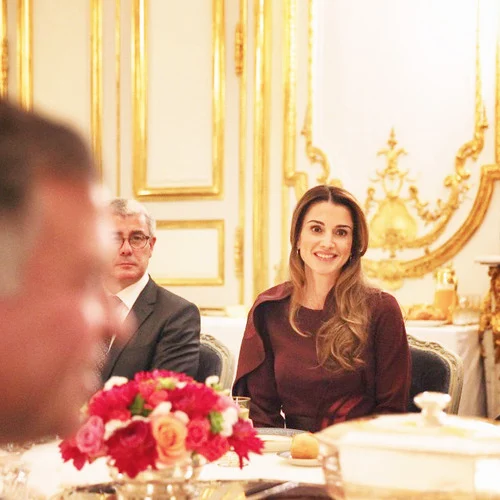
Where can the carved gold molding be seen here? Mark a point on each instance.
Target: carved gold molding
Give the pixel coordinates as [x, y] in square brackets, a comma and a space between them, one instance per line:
[4, 51]
[497, 102]
[118, 41]
[25, 53]
[239, 42]
[140, 110]
[314, 153]
[241, 72]
[392, 272]
[393, 227]
[218, 225]
[291, 178]
[96, 82]
[262, 110]
[490, 311]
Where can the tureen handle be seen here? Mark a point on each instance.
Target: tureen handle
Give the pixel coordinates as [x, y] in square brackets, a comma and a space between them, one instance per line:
[432, 405]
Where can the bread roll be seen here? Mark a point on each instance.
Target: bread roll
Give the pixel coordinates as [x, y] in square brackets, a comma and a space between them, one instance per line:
[424, 312]
[304, 445]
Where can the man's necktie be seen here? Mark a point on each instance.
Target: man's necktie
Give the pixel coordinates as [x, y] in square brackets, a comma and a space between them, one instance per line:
[120, 310]
[116, 306]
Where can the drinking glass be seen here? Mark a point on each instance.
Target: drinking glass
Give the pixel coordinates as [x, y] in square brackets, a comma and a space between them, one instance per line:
[243, 403]
[231, 459]
[467, 310]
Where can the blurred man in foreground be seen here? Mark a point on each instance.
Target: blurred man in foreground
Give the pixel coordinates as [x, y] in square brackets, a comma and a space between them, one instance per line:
[167, 334]
[52, 253]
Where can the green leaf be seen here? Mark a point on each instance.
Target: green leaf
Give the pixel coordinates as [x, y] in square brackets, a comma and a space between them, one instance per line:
[167, 383]
[137, 407]
[216, 421]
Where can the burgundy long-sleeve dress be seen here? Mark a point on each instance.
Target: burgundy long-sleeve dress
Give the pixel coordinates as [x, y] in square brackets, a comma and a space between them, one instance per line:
[279, 369]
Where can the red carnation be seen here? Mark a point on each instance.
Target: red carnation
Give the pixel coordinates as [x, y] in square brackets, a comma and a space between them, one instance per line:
[196, 400]
[70, 451]
[113, 403]
[198, 432]
[244, 440]
[133, 448]
[214, 447]
[156, 398]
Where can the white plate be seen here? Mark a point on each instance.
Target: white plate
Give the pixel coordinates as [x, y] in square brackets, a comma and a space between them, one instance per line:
[273, 444]
[426, 322]
[301, 462]
[488, 259]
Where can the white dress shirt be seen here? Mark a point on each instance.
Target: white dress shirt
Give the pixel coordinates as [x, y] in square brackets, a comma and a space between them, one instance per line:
[129, 295]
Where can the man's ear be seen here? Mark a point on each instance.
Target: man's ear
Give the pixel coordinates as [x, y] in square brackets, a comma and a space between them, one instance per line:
[152, 242]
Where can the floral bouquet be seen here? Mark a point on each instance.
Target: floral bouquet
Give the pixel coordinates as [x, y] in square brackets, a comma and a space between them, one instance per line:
[159, 419]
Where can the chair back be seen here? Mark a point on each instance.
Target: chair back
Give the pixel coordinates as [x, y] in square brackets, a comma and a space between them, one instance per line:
[435, 368]
[215, 359]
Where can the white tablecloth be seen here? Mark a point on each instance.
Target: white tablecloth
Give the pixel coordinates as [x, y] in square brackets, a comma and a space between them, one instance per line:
[49, 474]
[463, 340]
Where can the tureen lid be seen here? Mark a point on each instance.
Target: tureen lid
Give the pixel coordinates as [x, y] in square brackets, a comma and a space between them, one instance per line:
[431, 431]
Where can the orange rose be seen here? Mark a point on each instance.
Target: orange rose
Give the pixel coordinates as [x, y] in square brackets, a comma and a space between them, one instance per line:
[170, 434]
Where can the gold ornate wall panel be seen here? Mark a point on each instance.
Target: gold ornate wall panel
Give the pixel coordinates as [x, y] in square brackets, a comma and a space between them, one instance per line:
[262, 113]
[291, 178]
[24, 63]
[241, 40]
[25, 52]
[391, 232]
[195, 231]
[109, 46]
[4, 51]
[118, 93]
[142, 189]
[96, 82]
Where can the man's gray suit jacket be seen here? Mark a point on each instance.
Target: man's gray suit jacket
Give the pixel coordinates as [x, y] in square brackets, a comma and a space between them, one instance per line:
[167, 336]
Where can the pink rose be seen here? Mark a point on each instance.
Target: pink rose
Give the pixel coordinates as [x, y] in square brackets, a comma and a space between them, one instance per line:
[198, 430]
[170, 434]
[90, 437]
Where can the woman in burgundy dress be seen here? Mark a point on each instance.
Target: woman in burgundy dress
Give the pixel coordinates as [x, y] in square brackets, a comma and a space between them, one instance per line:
[325, 346]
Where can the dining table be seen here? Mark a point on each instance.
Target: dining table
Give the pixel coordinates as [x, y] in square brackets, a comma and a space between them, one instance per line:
[272, 475]
[50, 478]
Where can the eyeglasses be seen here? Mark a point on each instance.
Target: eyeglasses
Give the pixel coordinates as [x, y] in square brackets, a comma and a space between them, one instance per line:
[136, 241]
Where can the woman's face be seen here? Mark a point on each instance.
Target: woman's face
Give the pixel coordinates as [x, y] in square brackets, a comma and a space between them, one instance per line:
[325, 241]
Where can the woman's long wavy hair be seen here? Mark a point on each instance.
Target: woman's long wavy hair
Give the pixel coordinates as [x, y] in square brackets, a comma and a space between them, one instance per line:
[340, 340]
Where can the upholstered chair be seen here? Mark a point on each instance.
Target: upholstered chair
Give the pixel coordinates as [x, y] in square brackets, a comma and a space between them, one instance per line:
[437, 369]
[215, 359]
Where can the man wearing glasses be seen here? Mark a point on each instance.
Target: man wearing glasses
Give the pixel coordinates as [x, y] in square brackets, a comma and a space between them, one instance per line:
[167, 327]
